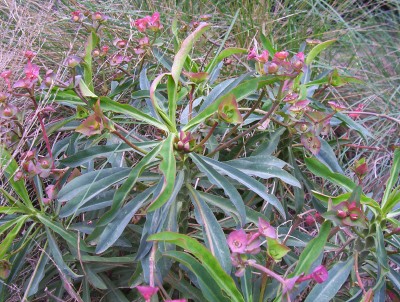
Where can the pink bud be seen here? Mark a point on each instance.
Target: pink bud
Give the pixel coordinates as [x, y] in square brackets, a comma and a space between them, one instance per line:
[73, 61]
[281, 55]
[263, 58]
[266, 229]
[341, 214]
[320, 274]
[354, 216]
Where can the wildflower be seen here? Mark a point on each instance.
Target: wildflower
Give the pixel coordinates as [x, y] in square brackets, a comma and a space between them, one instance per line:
[320, 274]
[77, 16]
[154, 22]
[266, 230]
[263, 58]
[237, 241]
[29, 54]
[99, 17]
[147, 291]
[144, 41]
[298, 61]
[8, 111]
[271, 67]
[119, 43]
[253, 244]
[299, 106]
[252, 54]
[280, 55]
[104, 50]
[358, 110]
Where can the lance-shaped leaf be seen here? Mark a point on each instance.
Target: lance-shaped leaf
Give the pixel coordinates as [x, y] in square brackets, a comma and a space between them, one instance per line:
[168, 169]
[228, 110]
[91, 43]
[394, 176]
[8, 240]
[186, 47]
[109, 105]
[209, 262]
[245, 180]
[313, 249]
[213, 235]
[221, 182]
[9, 167]
[316, 50]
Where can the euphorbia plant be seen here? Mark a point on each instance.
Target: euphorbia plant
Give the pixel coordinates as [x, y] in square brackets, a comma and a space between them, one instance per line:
[150, 161]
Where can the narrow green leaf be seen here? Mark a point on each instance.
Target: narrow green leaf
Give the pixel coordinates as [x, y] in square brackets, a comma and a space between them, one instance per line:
[224, 281]
[319, 169]
[168, 169]
[337, 276]
[224, 54]
[114, 227]
[39, 272]
[109, 105]
[85, 91]
[71, 238]
[91, 43]
[394, 176]
[381, 253]
[62, 267]
[172, 99]
[8, 240]
[213, 235]
[221, 182]
[269, 146]
[267, 44]
[364, 132]
[316, 50]
[9, 167]
[209, 288]
[327, 156]
[247, 181]
[313, 249]
[186, 47]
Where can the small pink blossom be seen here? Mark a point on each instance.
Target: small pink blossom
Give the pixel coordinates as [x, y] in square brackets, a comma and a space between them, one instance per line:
[99, 17]
[253, 244]
[281, 55]
[271, 67]
[266, 229]
[119, 43]
[151, 22]
[6, 74]
[252, 54]
[358, 110]
[77, 16]
[147, 291]
[263, 57]
[144, 41]
[237, 241]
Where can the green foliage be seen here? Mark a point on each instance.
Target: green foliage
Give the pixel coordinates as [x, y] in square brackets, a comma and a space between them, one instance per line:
[190, 167]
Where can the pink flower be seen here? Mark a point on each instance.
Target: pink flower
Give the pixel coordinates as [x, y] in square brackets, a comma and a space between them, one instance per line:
[147, 291]
[263, 57]
[357, 111]
[281, 55]
[100, 17]
[6, 74]
[237, 241]
[252, 54]
[299, 105]
[320, 274]
[144, 41]
[266, 229]
[154, 22]
[77, 16]
[119, 43]
[289, 284]
[271, 67]
[29, 54]
[253, 244]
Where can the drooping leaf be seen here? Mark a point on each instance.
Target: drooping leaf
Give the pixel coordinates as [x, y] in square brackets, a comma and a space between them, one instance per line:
[316, 50]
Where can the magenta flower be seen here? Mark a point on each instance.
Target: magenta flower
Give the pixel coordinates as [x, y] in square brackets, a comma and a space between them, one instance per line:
[252, 54]
[144, 41]
[147, 291]
[253, 244]
[271, 67]
[320, 274]
[77, 16]
[281, 55]
[266, 230]
[154, 22]
[237, 241]
[289, 284]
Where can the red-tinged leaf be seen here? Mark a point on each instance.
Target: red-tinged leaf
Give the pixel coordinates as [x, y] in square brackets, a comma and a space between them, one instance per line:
[311, 143]
[91, 126]
[228, 110]
[196, 77]
[186, 47]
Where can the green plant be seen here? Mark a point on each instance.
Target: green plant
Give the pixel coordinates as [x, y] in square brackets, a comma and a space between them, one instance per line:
[144, 162]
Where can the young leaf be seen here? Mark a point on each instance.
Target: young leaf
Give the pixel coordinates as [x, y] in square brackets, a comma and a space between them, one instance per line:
[208, 261]
[186, 47]
[228, 110]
